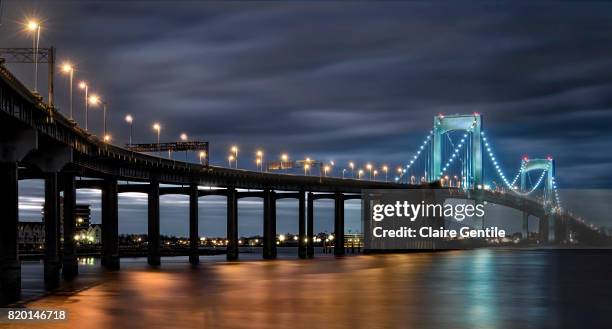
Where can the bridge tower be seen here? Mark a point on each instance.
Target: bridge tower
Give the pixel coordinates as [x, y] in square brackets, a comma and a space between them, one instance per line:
[547, 224]
[471, 124]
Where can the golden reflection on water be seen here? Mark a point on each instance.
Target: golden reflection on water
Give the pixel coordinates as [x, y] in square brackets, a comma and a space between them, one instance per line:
[424, 290]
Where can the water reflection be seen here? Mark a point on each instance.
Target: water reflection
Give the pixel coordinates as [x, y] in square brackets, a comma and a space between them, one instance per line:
[89, 261]
[459, 289]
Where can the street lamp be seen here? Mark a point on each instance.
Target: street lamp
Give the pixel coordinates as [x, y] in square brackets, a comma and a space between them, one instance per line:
[157, 127]
[259, 155]
[375, 173]
[83, 85]
[229, 160]
[183, 137]
[130, 120]
[202, 156]
[306, 169]
[34, 27]
[360, 173]
[343, 171]
[352, 165]
[369, 167]
[95, 100]
[386, 170]
[284, 158]
[107, 138]
[235, 150]
[325, 169]
[69, 69]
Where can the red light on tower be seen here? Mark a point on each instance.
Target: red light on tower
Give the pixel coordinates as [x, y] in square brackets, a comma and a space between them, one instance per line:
[548, 157]
[441, 115]
[476, 114]
[525, 158]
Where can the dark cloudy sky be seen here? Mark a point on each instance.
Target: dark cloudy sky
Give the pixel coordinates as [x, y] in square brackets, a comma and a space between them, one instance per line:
[343, 80]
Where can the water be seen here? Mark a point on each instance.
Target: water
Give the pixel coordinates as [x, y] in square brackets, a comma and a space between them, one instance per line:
[456, 289]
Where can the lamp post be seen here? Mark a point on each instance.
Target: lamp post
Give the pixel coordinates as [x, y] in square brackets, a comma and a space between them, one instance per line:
[306, 168]
[157, 128]
[360, 173]
[229, 160]
[369, 167]
[95, 100]
[352, 166]
[325, 170]
[130, 120]
[34, 27]
[375, 173]
[69, 69]
[83, 85]
[343, 171]
[284, 158]
[235, 151]
[202, 156]
[184, 138]
[259, 159]
[386, 170]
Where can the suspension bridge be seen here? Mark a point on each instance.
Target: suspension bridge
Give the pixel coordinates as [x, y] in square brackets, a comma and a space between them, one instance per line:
[36, 141]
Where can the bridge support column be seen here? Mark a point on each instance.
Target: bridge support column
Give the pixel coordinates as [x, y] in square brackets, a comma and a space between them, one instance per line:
[51, 214]
[194, 255]
[153, 224]
[310, 227]
[110, 225]
[232, 224]
[551, 229]
[10, 267]
[269, 231]
[302, 225]
[543, 229]
[70, 267]
[525, 232]
[339, 224]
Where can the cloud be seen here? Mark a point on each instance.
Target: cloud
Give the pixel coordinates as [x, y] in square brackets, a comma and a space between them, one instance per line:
[344, 81]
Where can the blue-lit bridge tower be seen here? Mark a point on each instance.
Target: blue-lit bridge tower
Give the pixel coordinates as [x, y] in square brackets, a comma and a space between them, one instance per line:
[472, 126]
[547, 166]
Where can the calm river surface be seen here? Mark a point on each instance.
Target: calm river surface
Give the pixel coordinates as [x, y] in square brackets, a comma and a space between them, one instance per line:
[455, 289]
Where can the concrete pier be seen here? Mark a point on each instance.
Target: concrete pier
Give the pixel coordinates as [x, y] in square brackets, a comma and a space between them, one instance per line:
[194, 240]
[232, 224]
[51, 217]
[153, 224]
[10, 267]
[70, 267]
